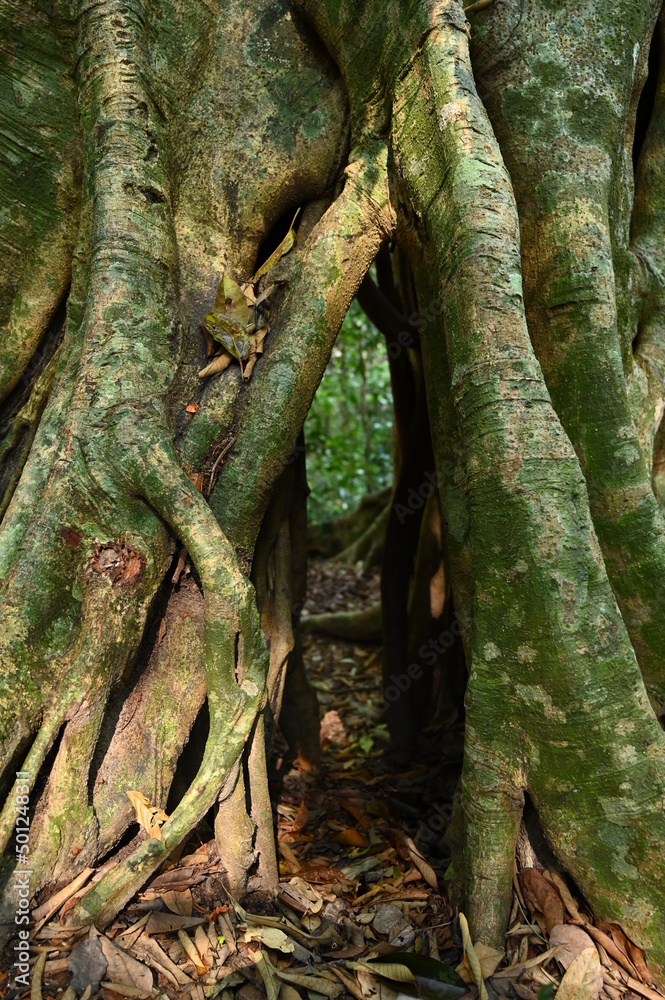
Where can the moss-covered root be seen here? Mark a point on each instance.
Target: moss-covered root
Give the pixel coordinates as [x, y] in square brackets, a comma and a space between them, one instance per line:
[567, 147]
[647, 244]
[236, 663]
[554, 685]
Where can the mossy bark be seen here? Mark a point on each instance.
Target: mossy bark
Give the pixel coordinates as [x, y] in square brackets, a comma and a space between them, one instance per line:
[177, 137]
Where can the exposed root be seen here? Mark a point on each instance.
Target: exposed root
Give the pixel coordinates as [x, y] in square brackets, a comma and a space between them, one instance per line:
[360, 626]
[235, 665]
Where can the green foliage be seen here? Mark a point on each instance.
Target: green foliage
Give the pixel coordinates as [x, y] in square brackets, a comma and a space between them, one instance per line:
[349, 428]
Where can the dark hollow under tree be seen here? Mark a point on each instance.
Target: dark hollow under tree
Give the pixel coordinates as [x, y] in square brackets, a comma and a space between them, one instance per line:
[150, 146]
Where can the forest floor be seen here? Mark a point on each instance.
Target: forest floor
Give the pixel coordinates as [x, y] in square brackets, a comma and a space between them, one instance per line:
[364, 856]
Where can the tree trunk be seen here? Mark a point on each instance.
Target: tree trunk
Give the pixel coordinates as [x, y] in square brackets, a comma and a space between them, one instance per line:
[152, 146]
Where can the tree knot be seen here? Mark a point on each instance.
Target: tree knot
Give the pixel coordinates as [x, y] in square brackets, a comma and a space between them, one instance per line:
[118, 560]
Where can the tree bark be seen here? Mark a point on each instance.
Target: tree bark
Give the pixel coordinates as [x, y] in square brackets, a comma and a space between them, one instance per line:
[156, 146]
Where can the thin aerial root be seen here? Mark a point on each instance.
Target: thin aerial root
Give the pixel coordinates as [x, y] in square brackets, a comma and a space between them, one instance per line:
[43, 742]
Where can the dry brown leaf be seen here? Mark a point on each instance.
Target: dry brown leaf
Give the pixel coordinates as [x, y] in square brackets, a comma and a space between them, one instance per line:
[542, 897]
[571, 941]
[600, 937]
[151, 952]
[267, 974]
[289, 857]
[202, 945]
[191, 952]
[489, 958]
[568, 900]
[513, 971]
[47, 909]
[301, 818]
[164, 923]
[126, 991]
[217, 365]
[471, 956]
[629, 948]
[583, 979]
[351, 837]
[150, 817]
[179, 879]
[318, 984]
[422, 864]
[124, 968]
[301, 896]
[178, 901]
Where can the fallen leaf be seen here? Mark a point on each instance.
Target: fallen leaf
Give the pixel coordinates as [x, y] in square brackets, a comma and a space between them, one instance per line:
[583, 980]
[37, 973]
[178, 901]
[351, 837]
[124, 968]
[177, 879]
[470, 955]
[569, 902]
[47, 909]
[570, 940]
[151, 952]
[163, 923]
[629, 948]
[127, 991]
[489, 958]
[217, 365]
[311, 982]
[203, 946]
[267, 974]
[271, 937]
[385, 918]
[150, 817]
[422, 864]
[231, 301]
[191, 952]
[543, 897]
[301, 818]
[301, 896]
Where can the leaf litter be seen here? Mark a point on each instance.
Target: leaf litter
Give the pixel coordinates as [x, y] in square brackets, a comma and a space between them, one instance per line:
[364, 863]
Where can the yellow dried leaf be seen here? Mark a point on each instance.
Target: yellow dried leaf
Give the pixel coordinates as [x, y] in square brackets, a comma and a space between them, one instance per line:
[283, 248]
[583, 979]
[470, 954]
[150, 817]
[422, 864]
[218, 364]
[191, 952]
